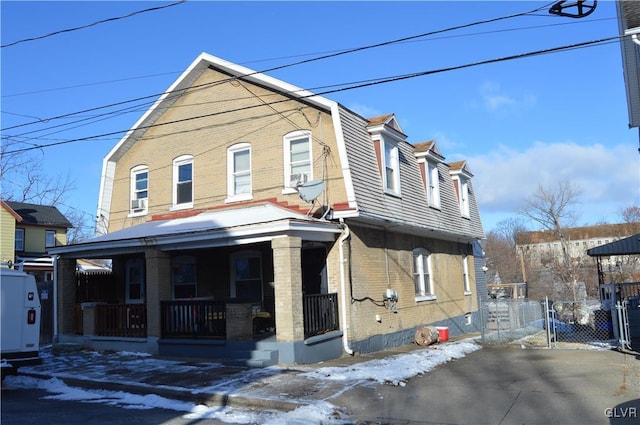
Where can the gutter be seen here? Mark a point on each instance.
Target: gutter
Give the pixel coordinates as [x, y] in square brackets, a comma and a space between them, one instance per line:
[343, 290]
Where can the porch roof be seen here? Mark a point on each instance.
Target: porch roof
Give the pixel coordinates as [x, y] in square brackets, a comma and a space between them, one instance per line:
[231, 226]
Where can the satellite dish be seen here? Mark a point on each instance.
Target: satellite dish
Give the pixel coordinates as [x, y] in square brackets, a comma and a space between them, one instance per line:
[311, 190]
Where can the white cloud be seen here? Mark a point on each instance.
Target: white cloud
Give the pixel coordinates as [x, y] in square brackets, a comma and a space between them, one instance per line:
[495, 98]
[365, 111]
[608, 176]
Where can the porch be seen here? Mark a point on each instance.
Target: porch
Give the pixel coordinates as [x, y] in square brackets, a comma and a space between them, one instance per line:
[205, 319]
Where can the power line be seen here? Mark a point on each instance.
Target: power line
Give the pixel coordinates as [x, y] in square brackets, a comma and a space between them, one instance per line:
[139, 77]
[322, 57]
[152, 9]
[352, 86]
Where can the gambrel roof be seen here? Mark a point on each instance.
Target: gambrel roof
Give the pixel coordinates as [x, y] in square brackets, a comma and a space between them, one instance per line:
[366, 200]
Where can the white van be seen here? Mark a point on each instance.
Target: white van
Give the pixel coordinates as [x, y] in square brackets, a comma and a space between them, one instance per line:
[20, 321]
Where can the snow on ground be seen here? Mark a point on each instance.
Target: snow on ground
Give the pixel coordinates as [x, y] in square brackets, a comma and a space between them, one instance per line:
[395, 370]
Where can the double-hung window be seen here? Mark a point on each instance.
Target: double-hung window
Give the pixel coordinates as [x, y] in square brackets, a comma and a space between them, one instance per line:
[391, 168]
[297, 159]
[422, 275]
[183, 182]
[139, 189]
[464, 196]
[19, 240]
[433, 185]
[465, 275]
[49, 238]
[239, 172]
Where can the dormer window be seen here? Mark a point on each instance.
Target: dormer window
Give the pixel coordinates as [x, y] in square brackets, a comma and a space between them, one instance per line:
[429, 157]
[387, 136]
[462, 182]
[433, 185]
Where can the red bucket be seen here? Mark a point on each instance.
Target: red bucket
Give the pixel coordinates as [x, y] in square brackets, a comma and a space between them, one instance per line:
[443, 333]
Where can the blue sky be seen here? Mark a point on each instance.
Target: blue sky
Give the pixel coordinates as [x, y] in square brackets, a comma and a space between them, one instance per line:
[519, 123]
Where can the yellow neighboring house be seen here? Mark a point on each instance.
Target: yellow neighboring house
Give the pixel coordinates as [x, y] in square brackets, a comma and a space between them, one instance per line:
[8, 220]
[28, 231]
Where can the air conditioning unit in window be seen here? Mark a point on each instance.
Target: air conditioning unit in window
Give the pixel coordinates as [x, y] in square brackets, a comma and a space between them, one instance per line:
[138, 204]
[298, 179]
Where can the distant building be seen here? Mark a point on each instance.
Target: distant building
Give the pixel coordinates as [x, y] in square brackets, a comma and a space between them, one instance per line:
[538, 245]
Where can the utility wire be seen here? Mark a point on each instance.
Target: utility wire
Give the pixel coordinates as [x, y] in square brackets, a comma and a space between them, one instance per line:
[140, 77]
[322, 57]
[354, 85]
[152, 9]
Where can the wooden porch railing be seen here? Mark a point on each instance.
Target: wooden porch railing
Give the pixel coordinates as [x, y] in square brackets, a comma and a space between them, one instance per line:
[320, 314]
[193, 319]
[121, 320]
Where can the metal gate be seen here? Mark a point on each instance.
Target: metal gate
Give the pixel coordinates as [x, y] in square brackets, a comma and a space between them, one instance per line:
[559, 324]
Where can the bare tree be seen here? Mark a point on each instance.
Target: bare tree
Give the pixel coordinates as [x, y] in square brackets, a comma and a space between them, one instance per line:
[630, 214]
[23, 180]
[554, 210]
[500, 249]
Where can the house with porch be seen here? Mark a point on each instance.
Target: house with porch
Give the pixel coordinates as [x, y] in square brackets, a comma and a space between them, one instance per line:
[248, 218]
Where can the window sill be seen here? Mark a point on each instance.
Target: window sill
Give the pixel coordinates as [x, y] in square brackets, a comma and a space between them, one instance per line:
[138, 213]
[392, 193]
[184, 206]
[426, 298]
[289, 191]
[238, 198]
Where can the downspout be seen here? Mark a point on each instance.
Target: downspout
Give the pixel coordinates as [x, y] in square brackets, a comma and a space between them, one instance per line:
[343, 289]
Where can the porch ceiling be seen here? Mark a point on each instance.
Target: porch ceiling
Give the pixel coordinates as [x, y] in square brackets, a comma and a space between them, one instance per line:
[233, 226]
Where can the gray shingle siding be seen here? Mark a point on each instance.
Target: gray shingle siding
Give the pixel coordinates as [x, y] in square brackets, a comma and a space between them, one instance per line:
[411, 207]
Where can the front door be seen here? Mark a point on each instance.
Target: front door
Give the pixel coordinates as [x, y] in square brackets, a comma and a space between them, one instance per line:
[135, 281]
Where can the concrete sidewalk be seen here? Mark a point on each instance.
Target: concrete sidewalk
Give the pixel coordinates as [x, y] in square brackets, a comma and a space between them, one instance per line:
[494, 385]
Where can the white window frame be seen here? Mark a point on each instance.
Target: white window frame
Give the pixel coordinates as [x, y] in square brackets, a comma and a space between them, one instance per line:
[177, 163]
[288, 164]
[423, 279]
[390, 158]
[136, 192]
[49, 238]
[433, 185]
[233, 174]
[464, 196]
[19, 240]
[466, 282]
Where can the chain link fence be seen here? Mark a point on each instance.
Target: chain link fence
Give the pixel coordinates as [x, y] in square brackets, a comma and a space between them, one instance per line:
[544, 324]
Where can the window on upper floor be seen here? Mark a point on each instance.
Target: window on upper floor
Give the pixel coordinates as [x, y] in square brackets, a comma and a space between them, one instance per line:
[19, 240]
[49, 238]
[462, 190]
[433, 185]
[391, 168]
[183, 182]
[422, 275]
[297, 159]
[239, 172]
[139, 189]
